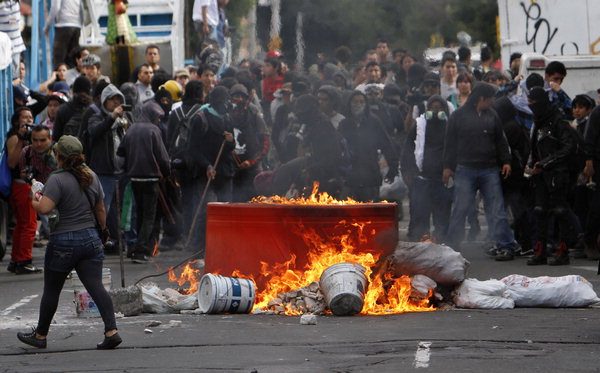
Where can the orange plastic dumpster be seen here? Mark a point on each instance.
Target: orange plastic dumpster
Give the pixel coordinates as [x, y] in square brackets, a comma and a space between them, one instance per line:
[242, 235]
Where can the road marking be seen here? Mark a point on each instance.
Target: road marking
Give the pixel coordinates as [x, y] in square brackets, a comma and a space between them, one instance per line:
[422, 355]
[20, 303]
[586, 268]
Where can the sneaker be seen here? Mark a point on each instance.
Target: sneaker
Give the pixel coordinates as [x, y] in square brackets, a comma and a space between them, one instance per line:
[12, 267]
[31, 339]
[26, 269]
[492, 251]
[539, 255]
[139, 259]
[109, 342]
[504, 255]
[523, 252]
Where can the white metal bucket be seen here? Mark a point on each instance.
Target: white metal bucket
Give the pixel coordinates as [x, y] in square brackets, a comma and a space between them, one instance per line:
[343, 286]
[218, 294]
[84, 304]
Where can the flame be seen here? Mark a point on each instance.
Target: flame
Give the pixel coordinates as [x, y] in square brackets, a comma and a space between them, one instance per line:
[315, 198]
[188, 274]
[385, 295]
[155, 252]
[426, 238]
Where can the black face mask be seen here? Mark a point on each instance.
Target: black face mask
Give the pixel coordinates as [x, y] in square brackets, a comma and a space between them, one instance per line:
[539, 109]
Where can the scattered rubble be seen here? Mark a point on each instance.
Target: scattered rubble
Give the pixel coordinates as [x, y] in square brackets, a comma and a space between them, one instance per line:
[169, 300]
[148, 331]
[306, 300]
[153, 323]
[308, 320]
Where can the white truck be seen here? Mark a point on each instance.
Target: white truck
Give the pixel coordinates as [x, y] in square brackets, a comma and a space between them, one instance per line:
[548, 30]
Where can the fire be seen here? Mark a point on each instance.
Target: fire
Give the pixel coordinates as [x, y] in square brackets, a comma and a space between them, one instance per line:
[385, 295]
[315, 198]
[188, 274]
[155, 252]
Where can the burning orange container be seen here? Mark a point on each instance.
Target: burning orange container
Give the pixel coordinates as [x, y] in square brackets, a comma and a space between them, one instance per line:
[242, 235]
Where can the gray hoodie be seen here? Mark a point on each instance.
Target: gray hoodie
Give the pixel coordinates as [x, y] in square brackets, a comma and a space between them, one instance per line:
[106, 134]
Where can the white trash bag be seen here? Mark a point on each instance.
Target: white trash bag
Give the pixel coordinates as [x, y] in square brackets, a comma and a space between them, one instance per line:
[488, 294]
[439, 262]
[565, 291]
[153, 299]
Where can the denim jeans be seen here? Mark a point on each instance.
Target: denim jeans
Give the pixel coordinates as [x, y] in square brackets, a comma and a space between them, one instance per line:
[466, 183]
[65, 250]
[109, 185]
[81, 250]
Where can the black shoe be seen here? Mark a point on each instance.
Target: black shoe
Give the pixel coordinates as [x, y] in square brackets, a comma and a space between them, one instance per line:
[109, 342]
[12, 267]
[558, 260]
[31, 339]
[140, 259]
[504, 255]
[27, 269]
[537, 260]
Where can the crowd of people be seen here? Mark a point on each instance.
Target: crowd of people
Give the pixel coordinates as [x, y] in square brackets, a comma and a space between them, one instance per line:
[453, 135]
[154, 151]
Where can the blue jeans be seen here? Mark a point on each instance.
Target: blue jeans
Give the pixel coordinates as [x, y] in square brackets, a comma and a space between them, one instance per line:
[466, 183]
[67, 249]
[109, 185]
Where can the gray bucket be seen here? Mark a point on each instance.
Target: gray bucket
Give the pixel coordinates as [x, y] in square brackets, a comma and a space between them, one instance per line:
[343, 286]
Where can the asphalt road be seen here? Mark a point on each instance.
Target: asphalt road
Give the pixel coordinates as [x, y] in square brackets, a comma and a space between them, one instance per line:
[523, 340]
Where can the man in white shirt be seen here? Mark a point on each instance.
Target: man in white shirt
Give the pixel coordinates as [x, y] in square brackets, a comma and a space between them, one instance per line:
[205, 15]
[67, 16]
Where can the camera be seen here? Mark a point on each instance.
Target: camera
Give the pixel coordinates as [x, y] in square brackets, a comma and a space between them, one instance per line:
[29, 175]
[127, 107]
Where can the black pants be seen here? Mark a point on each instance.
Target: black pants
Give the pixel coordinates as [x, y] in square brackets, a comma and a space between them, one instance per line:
[430, 198]
[90, 275]
[148, 221]
[592, 225]
[551, 188]
[65, 40]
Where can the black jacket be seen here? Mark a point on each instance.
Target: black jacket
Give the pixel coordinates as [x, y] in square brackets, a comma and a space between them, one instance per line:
[553, 142]
[592, 136]
[365, 136]
[475, 141]
[144, 152]
[205, 140]
[65, 112]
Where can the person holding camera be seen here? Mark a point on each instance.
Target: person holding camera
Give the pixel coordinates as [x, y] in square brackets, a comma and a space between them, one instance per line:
[75, 191]
[106, 130]
[17, 143]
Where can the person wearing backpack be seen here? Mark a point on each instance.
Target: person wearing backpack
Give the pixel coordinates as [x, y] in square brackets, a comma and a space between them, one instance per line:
[70, 115]
[185, 172]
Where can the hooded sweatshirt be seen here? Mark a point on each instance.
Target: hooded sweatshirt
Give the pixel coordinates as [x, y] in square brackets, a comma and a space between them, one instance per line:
[105, 135]
[475, 140]
[142, 147]
[366, 135]
[424, 148]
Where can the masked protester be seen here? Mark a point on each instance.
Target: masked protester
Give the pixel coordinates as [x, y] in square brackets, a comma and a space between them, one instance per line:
[211, 134]
[365, 136]
[552, 144]
[251, 141]
[146, 162]
[322, 153]
[422, 169]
